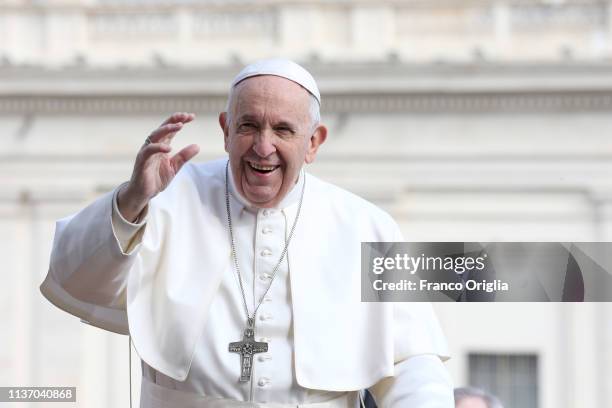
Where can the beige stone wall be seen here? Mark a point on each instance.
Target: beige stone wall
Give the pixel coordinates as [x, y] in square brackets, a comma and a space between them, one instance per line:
[466, 120]
[195, 32]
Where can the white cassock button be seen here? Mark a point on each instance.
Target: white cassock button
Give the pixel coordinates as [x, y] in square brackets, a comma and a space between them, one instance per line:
[266, 230]
[261, 358]
[266, 252]
[264, 276]
[265, 340]
[267, 212]
[263, 381]
[267, 299]
[265, 317]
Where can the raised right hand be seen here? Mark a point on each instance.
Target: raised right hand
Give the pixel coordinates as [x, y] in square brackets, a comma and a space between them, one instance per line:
[154, 168]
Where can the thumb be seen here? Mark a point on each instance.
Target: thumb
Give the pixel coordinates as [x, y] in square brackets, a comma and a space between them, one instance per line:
[183, 156]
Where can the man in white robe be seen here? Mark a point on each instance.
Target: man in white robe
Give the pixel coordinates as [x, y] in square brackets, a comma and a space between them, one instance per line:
[154, 259]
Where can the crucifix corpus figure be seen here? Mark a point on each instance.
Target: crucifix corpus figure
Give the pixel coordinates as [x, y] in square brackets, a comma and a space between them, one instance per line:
[184, 255]
[247, 348]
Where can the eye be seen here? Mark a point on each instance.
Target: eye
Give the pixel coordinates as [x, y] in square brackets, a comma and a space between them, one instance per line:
[284, 130]
[246, 127]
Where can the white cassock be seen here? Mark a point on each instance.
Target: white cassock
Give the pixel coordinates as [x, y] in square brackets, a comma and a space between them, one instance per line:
[169, 282]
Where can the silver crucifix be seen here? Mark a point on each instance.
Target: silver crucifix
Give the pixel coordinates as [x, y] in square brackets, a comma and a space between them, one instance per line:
[246, 348]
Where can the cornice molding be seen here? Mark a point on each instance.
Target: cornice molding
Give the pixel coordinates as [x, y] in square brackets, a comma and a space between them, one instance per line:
[418, 103]
[346, 88]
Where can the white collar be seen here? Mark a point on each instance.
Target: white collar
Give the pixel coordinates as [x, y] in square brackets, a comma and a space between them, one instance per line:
[292, 197]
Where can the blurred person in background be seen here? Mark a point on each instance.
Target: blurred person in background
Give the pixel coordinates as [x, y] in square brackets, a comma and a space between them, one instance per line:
[472, 397]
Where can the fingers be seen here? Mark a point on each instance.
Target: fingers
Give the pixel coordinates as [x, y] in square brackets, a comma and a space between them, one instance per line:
[184, 156]
[176, 117]
[166, 131]
[153, 148]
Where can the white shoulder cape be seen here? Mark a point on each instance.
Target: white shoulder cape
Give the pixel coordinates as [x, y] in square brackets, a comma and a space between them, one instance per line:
[340, 343]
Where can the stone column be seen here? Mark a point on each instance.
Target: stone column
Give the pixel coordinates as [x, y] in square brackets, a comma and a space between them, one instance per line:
[372, 30]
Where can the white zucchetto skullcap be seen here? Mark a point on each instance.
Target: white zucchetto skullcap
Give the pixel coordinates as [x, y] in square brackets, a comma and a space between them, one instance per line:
[283, 68]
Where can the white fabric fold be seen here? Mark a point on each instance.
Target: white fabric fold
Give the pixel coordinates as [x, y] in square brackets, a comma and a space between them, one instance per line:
[419, 381]
[169, 277]
[127, 233]
[155, 396]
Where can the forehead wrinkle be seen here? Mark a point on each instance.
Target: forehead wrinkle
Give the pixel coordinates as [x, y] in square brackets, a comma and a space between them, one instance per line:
[271, 91]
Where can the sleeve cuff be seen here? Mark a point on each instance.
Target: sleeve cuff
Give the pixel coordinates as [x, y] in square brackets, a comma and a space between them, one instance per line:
[127, 233]
[419, 381]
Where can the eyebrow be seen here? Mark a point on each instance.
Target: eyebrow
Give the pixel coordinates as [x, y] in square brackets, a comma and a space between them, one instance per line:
[251, 117]
[247, 116]
[285, 124]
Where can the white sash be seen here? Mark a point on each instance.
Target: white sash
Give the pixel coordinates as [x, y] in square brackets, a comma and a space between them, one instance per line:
[155, 396]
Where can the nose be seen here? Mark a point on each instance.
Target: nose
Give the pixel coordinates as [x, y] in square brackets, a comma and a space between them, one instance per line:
[264, 143]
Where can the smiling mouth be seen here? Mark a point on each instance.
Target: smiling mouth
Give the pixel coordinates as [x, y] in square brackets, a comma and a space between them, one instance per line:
[261, 168]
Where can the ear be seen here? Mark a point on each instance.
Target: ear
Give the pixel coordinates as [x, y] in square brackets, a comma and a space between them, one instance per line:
[223, 123]
[316, 140]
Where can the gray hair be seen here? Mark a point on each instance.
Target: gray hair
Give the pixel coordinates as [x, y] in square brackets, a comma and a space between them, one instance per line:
[473, 392]
[314, 109]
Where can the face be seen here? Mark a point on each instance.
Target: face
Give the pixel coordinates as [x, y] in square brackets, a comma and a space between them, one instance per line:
[472, 402]
[269, 137]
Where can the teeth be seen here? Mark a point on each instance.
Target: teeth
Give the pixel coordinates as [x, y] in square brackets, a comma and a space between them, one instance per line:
[260, 167]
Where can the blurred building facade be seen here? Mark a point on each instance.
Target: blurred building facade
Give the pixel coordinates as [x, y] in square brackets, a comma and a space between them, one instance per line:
[466, 120]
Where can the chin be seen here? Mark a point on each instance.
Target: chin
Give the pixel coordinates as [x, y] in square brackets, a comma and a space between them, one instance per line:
[262, 200]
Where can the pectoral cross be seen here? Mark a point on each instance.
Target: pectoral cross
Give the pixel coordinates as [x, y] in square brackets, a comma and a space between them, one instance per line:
[246, 348]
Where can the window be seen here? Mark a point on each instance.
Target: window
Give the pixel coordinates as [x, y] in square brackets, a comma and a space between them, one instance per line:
[513, 378]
